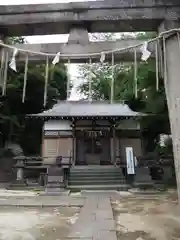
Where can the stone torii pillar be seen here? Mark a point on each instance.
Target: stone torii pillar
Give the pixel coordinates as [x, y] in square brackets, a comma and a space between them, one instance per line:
[78, 35]
[172, 87]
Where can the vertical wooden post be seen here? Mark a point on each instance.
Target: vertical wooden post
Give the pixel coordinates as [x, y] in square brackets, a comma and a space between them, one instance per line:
[112, 80]
[73, 144]
[114, 144]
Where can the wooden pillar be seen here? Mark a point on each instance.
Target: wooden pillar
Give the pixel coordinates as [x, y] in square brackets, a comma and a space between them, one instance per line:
[73, 144]
[114, 144]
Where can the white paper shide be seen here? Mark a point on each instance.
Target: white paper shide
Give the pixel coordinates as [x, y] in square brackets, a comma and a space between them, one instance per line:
[145, 52]
[12, 64]
[56, 58]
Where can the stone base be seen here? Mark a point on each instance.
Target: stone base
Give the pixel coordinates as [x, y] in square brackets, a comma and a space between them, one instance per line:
[142, 178]
[54, 180]
[18, 184]
[55, 192]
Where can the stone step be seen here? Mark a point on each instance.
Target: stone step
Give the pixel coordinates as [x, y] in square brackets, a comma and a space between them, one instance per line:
[118, 187]
[95, 182]
[91, 178]
[97, 175]
[52, 192]
[94, 167]
[84, 173]
[56, 185]
[96, 170]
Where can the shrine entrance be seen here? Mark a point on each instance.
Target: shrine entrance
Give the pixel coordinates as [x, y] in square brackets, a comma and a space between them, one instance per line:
[93, 148]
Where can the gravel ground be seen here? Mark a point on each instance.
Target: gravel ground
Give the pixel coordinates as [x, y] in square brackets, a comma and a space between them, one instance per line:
[36, 223]
[147, 217]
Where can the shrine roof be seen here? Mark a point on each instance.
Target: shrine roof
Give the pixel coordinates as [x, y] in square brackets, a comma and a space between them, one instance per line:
[88, 109]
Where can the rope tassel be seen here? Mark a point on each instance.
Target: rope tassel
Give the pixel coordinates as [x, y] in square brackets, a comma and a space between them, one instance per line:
[112, 79]
[157, 67]
[135, 74]
[90, 80]
[46, 81]
[160, 53]
[68, 79]
[25, 79]
[5, 74]
[2, 65]
[165, 69]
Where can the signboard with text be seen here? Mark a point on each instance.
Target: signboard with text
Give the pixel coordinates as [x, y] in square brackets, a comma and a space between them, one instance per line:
[57, 133]
[130, 160]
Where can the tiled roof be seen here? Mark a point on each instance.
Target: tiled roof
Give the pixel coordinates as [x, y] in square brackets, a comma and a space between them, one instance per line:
[85, 108]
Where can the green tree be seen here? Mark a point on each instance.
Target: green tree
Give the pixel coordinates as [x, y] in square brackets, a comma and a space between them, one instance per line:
[13, 126]
[148, 101]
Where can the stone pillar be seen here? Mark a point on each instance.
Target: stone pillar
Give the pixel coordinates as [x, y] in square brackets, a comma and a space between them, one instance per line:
[3, 38]
[142, 177]
[172, 87]
[20, 181]
[78, 35]
[19, 176]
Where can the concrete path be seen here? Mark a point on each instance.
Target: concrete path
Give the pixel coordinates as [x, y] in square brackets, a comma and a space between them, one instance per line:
[95, 220]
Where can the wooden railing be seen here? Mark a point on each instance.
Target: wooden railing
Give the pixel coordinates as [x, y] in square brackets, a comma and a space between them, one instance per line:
[42, 166]
[147, 161]
[41, 162]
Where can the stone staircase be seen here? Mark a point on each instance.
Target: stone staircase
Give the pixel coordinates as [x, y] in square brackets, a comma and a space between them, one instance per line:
[96, 178]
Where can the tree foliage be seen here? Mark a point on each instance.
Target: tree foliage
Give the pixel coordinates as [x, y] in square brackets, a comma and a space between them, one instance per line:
[13, 126]
[149, 100]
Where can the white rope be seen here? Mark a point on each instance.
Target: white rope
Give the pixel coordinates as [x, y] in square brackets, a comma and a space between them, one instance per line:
[25, 79]
[5, 74]
[68, 79]
[160, 53]
[112, 79]
[46, 80]
[2, 65]
[90, 80]
[92, 54]
[135, 74]
[157, 67]
[165, 70]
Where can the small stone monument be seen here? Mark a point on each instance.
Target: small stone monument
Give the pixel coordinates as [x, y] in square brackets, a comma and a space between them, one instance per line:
[54, 178]
[20, 181]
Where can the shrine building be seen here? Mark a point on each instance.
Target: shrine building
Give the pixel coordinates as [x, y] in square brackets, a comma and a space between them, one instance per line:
[90, 133]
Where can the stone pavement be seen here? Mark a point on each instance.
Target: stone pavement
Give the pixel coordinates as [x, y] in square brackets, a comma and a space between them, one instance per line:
[42, 201]
[95, 220]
